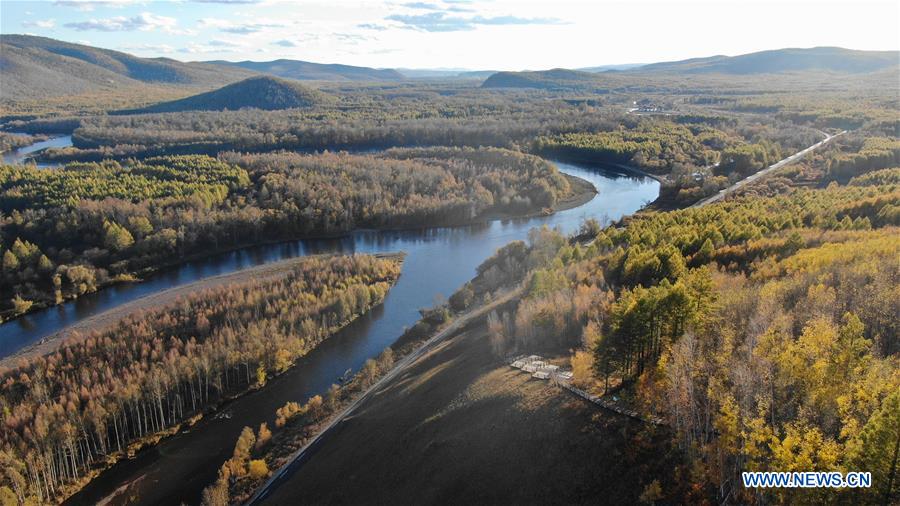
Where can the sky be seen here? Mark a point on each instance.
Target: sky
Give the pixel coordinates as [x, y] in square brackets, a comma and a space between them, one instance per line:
[459, 34]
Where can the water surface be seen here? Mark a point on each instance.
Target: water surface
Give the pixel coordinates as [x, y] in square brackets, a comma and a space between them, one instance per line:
[21, 155]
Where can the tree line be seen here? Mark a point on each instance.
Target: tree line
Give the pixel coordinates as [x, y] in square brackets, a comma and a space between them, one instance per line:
[761, 328]
[99, 394]
[69, 231]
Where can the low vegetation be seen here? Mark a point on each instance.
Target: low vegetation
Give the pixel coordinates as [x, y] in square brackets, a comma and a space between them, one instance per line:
[10, 142]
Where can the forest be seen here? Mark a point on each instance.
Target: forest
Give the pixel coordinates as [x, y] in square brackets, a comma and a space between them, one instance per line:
[762, 328]
[653, 146]
[70, 231]
[102, 395]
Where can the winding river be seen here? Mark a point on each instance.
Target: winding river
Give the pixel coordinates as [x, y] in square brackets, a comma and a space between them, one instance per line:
[438, 261]
[22, 154]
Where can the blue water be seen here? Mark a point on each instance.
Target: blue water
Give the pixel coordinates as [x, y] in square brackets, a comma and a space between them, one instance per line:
[438, 261]
[21, 155]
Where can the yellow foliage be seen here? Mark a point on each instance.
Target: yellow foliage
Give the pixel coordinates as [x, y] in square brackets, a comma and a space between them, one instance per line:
[582, 368]
[258, 469]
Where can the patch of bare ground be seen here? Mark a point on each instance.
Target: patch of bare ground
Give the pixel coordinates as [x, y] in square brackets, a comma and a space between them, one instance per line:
[459, 426]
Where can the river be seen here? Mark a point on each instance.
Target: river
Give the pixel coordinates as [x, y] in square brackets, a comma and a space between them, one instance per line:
[22, 154]
[438, 261]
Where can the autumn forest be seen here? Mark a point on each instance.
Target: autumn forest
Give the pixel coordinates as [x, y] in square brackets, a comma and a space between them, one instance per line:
[711, 248]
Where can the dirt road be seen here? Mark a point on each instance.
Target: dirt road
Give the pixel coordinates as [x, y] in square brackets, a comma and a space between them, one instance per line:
[768, 170]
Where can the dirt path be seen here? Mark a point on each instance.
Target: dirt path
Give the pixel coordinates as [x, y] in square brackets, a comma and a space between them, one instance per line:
[768, 170]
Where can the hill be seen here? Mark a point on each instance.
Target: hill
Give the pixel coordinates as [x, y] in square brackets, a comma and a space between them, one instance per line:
[607, 68]
[818, 63]
[445, 73]
[38, 68]
[308, 71]
[544, 79]
[827, 59]
[260, 92]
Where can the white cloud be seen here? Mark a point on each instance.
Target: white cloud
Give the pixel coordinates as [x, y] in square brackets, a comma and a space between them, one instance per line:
[240, 28]
[194, 48]
[223, 43]
[227, 2]
[89, 5]
[297, 41]
[40, 23]
[144, 22]
[437, 21]
[150, 48]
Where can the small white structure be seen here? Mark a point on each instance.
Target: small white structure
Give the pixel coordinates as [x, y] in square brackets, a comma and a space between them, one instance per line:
[566, 375]
[539, 363]
[541, 375]
[550, 368]
[518, 364]
[530, 368]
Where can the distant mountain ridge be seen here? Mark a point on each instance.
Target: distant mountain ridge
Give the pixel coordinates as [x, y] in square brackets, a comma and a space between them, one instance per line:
[260, 92]
[445, 73]
[540, 79]
[309, 71]
[828, 59]
[39, 67]
[607, 68]
[778, 61]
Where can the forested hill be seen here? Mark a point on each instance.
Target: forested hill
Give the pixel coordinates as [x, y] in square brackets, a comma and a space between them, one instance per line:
[829, 59]
[263, 92]
[818, 61]
[39, 67]
[309, 71]
[544, 79]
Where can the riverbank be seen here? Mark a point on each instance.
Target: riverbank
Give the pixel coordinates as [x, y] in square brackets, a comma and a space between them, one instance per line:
[460, 426]
[112, 316]
[194, 456]
[582, 191]
[296, 442]
[323, 280]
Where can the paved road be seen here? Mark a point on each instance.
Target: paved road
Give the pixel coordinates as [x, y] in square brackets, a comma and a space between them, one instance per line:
[771, 168]
[303, 454]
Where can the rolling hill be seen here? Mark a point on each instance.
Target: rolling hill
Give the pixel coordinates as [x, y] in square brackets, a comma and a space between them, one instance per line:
[607, 68]
[309, 71]
[260, 92]
[822, 59]
[38, 68]
[445, 73]
[543, 79]
[818, 61]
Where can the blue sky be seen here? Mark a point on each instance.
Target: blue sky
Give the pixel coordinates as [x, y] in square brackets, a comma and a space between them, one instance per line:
[498, 34]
